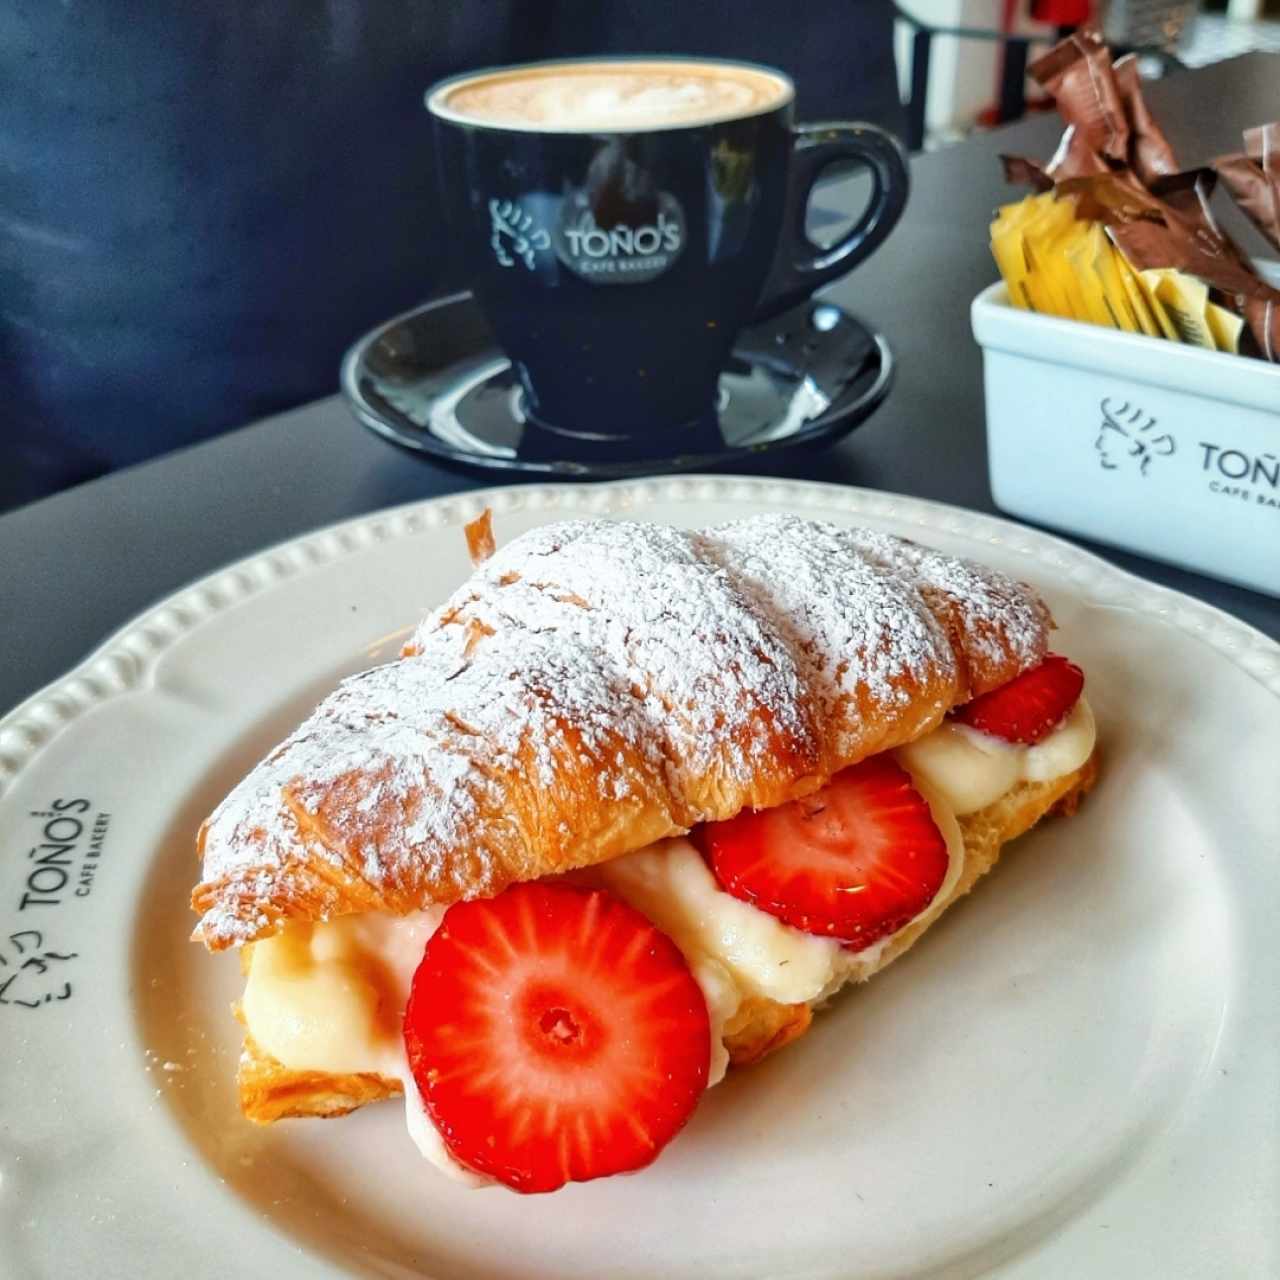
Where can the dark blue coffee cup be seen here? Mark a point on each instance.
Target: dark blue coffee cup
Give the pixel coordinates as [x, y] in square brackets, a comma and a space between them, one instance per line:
[618, 265]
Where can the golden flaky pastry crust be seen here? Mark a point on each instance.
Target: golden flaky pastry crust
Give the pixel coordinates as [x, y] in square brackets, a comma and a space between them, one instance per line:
[598, 685]
[269, 1091]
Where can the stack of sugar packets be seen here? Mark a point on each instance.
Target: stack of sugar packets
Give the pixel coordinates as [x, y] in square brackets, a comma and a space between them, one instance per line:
[1118, 235]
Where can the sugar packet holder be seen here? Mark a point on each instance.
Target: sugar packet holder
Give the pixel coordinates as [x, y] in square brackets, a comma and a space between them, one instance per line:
[1177, 459]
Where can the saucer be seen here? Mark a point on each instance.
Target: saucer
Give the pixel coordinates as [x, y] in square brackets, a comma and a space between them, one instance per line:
[433, 380]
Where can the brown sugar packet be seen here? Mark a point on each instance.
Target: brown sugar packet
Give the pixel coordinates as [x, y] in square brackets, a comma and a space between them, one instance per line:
[1262, 315]
[1075, 156]
[1109, 124]
[1021, 172]
[1078, 74]
[1253, 178]
[1174, 228]
[1150, 154]
[1069, 161]
[1188, 195]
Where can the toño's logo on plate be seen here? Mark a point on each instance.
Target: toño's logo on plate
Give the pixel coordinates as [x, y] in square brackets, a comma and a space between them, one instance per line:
[32, 972]
[65, 847]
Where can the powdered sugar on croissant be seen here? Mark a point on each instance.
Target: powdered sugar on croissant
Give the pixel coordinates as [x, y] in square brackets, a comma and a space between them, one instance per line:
[595, 686]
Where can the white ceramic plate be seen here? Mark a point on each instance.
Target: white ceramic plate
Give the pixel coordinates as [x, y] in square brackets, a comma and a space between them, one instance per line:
[1077, 1074]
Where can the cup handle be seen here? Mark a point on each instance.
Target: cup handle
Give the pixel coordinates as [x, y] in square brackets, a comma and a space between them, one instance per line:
[802, 266]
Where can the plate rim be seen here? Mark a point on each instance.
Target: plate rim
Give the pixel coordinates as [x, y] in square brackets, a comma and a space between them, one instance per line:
[121, 662]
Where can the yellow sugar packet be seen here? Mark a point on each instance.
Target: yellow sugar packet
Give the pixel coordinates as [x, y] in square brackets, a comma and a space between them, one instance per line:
[1021, 264]
[1108, 267]
[1098, 261]
[1055, 252]
[1138, 301]
[1008, 244]
[1184, 299]
[1049, 275]
[1156, 308]
[1225, 326]
[1011, 259]
[1080, 255]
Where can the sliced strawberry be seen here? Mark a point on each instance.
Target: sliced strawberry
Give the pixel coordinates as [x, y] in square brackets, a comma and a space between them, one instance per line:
[1030, 706]
[555, 1036]
[854, 861]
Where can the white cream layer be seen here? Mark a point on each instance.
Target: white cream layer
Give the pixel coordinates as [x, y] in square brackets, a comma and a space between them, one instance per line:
[331, 997]
[973, 769]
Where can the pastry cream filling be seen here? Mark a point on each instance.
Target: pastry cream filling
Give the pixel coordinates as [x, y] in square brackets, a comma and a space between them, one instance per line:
[331, 996]
[972, 769]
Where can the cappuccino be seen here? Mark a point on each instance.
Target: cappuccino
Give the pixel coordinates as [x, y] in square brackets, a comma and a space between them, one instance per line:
[611, 96]
[621, 219]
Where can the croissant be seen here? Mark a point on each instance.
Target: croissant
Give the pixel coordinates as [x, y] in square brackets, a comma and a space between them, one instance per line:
[594, 687]
[599, 686]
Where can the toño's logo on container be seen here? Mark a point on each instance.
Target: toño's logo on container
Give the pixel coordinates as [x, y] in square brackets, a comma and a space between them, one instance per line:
[1128, 438]
[628, 251]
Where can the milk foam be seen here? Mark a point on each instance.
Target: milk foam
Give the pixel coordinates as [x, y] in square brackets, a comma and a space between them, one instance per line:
[591, 97]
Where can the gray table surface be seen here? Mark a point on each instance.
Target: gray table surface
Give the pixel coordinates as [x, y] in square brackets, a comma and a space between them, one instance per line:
[75, 567]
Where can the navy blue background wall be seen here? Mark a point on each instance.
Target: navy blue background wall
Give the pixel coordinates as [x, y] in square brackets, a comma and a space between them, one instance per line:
[202, 205]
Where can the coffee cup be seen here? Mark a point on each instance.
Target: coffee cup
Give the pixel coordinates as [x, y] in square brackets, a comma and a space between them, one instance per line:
[621, 219]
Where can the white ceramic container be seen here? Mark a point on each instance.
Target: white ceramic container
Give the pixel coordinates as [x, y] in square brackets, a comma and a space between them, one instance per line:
[1137, 442]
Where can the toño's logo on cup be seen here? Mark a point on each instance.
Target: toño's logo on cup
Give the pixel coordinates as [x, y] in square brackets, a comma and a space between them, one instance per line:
[514, 235]
[629, 251]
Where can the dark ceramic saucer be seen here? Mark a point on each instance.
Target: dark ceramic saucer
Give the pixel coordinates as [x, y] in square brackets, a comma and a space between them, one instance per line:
[433, 380]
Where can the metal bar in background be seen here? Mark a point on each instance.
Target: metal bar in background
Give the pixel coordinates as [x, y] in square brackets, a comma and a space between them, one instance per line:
[921, 47]
[1013, 80]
